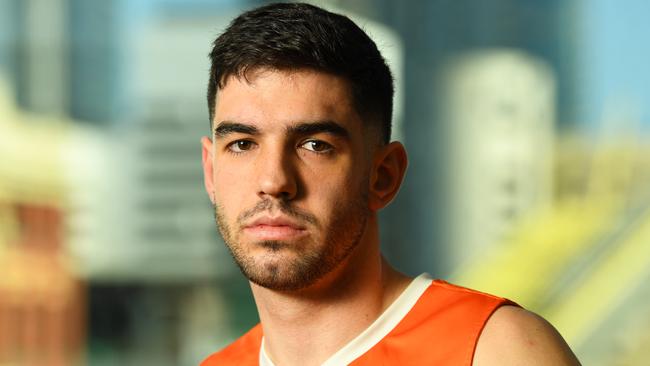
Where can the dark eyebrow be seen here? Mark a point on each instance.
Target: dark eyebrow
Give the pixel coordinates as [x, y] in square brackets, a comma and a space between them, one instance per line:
[330, 127]
[224, 128]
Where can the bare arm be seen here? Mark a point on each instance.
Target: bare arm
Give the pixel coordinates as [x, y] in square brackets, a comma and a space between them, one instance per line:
[514, 336]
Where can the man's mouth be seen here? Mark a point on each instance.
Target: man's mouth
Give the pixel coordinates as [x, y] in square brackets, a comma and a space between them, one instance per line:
[274, 228]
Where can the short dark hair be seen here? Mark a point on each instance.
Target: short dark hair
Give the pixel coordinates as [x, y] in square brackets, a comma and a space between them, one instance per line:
[289, 36]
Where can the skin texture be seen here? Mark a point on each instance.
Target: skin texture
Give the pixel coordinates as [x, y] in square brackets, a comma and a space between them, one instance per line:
[514, 335]
[297, 178]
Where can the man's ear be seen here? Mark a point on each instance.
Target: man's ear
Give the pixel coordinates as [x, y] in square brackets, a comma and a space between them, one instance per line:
[208, 157]
[388, 170]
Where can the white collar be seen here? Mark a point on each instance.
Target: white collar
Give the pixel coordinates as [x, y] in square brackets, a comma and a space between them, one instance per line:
[379, 329]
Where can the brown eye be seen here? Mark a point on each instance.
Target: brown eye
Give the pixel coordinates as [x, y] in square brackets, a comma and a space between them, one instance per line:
[317, 146]
[240, 146]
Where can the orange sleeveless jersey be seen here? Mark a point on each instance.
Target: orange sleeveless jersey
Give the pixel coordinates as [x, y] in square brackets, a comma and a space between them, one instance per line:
[441, 327]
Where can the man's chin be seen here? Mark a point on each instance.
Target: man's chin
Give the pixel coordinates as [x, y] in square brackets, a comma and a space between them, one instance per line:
[280, 269]
[275, 281]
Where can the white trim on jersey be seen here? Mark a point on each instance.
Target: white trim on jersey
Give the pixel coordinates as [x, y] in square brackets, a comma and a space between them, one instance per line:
[379, 329]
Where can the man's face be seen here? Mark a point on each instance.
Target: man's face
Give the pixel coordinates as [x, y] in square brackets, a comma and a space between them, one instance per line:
[290, 168]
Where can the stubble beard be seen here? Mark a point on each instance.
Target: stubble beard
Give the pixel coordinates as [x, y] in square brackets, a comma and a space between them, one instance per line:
[314, 260]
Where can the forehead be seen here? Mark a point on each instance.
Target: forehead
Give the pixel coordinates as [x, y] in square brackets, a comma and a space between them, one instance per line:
[278, 97]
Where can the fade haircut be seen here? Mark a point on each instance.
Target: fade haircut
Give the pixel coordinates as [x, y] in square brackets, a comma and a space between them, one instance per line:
[292, 36]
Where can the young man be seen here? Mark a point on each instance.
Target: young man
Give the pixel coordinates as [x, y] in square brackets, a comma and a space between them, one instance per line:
[298, 165]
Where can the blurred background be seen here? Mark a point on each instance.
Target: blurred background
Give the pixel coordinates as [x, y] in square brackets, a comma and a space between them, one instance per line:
[527, 127]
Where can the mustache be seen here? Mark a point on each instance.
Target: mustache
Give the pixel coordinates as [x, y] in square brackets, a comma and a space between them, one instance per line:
[282, 206]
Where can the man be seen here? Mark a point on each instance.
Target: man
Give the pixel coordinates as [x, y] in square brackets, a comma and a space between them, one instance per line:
[298, 165]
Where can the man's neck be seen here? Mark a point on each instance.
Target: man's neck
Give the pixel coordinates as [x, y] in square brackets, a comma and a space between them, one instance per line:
[307, 327]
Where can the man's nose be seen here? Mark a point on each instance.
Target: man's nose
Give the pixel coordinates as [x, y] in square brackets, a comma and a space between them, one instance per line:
[277, 174]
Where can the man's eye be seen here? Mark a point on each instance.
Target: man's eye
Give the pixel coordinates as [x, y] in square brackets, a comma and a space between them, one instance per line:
[317, 146]
[240, 146]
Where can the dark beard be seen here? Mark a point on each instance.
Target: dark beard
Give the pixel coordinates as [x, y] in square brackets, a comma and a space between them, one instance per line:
[342, 237]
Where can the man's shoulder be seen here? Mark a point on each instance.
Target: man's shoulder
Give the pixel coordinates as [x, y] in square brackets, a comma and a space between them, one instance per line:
[515, 336]
[244, 351]
[510, 334]
[481, 328]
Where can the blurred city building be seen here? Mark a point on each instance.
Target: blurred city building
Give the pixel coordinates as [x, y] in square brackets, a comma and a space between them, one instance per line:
[42, 300]
[499, 111]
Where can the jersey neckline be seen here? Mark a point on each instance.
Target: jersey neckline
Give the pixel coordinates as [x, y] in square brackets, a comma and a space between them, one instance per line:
[377, 331]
